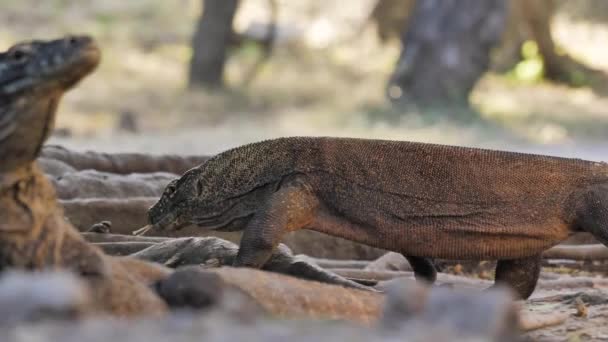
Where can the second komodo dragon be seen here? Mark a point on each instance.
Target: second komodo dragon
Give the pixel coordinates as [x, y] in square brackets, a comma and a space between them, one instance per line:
[422, 200]
[34, 234]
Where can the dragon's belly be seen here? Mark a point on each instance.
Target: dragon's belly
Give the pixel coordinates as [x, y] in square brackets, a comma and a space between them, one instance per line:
[447, 239]
[490, 242]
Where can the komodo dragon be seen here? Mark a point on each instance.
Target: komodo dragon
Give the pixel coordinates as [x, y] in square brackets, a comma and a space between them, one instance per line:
[422, 200]
[34, 234]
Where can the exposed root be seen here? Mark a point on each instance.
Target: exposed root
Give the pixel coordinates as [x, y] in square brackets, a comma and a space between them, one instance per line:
[94, 184]
[583, 252]
[529, 321]
[123, 248]
[122, 163]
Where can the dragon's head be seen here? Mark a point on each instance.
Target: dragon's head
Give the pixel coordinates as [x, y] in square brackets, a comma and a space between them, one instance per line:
[221, 195]
[33, 77]
[45, 67]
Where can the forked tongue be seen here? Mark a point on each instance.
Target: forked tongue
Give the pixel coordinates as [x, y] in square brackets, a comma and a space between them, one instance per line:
[144, 229]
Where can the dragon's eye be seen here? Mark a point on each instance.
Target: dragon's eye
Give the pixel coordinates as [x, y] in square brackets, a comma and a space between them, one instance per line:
[19, 55]
[170, 189]
[199, 188]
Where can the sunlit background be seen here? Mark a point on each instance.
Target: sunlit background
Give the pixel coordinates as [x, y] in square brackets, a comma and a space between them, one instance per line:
[326, 75]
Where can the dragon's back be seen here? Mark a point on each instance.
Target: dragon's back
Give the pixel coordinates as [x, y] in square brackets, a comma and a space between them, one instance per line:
[445, 201]
[450, 173]
[425, 171]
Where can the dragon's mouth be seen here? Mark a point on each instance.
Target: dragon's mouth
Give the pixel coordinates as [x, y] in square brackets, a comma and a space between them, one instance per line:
[169, 222]
[78, 63]
[224, 222]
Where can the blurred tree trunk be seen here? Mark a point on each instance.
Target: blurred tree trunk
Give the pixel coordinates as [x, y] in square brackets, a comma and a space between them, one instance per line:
[558, 67]
[390, 17]
[531, 20]
[446, 49]
[537, 16]
[508, 53]
[210, 43]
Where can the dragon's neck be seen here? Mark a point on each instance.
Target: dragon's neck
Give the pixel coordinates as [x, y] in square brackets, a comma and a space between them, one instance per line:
[25, 123]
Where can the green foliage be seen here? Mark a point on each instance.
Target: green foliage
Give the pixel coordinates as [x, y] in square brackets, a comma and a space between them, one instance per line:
[531, 68]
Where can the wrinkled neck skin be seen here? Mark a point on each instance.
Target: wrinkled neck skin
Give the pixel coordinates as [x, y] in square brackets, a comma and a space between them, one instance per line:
[233, 214]
[33, 231]
[27, 203]
[26, 121]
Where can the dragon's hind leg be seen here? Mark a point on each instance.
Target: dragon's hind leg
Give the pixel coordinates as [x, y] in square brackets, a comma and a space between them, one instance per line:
[423, 268]
[591, 211]
[519, 274]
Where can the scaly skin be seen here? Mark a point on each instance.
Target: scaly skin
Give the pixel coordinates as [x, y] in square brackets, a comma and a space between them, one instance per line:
[34, 234]
[422, 200]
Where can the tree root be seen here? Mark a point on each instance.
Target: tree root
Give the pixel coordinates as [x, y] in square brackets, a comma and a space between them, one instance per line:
[128, 214]
[122, 163]
[529, 321]
[583, 252]
[333, 263]
[123, 248]
[105, 238]
[93, 184]
[572, 283]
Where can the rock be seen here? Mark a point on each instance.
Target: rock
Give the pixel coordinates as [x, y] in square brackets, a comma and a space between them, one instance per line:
[490, 314]
[33, 296]
[390, 261]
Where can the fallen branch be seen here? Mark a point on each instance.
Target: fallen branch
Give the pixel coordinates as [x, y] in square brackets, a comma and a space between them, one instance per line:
[126, 214]
[101, 238]
[382, 278]
[390, 261]
[122, 163]
[94, 184]
[581, 238]
[572, 283]
[54, 168]
[530, 321]
[373, 276]
[344, 264]
[123, 248]
[583, 252]
[596, 297]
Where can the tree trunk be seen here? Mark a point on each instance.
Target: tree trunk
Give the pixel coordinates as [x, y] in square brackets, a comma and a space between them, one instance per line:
[210, 43]
[558, 67]
[507, 54]
[390, 17]
[446, 50]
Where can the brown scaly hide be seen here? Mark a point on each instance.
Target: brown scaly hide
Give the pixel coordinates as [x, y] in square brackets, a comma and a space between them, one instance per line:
[421, 199]
[35, 236]
[14, 152]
